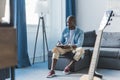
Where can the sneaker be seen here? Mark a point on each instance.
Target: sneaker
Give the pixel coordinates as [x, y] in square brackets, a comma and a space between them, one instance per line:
[66, 70]
[51, 74]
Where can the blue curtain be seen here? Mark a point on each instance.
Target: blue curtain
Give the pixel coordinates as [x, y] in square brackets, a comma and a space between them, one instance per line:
[70, 7]
[18, 9]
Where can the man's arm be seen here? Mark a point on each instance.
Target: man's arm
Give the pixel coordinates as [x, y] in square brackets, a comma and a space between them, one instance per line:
[80, 39]
[62, 40]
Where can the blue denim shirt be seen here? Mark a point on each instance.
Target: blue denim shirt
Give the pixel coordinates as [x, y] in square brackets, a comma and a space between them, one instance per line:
[77, 38]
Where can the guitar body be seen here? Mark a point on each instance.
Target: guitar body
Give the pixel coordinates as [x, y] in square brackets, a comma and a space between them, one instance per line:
[86, 77]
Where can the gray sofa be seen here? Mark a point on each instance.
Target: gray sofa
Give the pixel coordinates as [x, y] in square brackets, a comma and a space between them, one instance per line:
[63, 61]
[109, 52]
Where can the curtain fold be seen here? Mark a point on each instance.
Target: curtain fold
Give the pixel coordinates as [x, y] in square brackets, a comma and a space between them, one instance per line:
[20, 23]
[70, 8]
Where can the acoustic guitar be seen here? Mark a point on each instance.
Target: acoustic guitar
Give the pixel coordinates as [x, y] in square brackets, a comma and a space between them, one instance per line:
[95, 55]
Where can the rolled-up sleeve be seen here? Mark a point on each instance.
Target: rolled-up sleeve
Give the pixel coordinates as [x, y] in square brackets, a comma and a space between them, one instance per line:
[80, 39]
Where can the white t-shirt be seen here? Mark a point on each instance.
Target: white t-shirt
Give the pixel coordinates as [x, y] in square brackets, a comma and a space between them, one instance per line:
[70, 40]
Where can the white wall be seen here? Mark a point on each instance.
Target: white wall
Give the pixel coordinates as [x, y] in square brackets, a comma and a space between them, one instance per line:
[90, 12]
[56, 17]
[57, 21]
[115, 23]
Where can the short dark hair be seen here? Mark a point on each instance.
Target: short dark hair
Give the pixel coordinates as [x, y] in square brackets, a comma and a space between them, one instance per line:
[73, 18]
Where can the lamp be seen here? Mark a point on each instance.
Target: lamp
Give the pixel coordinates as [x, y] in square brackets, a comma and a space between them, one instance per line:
[41, 9]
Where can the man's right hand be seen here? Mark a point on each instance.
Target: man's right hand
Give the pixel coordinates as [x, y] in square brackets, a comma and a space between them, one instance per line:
[64, 46]
[67, 46]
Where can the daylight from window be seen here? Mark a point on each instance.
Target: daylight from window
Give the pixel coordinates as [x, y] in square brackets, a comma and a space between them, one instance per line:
[32, 15]
[6, 17]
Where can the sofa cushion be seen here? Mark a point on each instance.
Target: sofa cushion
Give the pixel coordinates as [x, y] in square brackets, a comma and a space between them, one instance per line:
[109, 54]
[89, 38]
[111, 40]
[109, 49]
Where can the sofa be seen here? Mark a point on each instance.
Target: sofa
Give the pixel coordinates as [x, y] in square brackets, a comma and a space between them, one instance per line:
[109, 52]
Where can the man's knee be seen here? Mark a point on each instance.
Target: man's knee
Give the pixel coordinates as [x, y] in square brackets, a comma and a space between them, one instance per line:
[55, 56]
[55, 50]
[79, 53]
[80, 50]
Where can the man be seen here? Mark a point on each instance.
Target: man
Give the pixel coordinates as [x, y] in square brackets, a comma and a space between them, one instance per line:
[72, 40]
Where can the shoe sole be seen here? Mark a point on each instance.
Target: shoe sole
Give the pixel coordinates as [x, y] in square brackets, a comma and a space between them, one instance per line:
[66, 73]
[51, 76]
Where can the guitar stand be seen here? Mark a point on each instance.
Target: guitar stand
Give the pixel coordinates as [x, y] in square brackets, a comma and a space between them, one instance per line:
[98, 75]
[44, 38]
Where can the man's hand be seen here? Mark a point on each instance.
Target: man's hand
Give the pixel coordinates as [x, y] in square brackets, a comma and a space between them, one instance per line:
[67, 46]
[63, 46]
[74, 46]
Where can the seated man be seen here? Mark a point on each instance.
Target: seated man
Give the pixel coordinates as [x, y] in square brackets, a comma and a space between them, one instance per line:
[72, 40]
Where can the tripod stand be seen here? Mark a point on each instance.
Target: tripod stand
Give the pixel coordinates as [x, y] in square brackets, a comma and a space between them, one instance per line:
[44, 38]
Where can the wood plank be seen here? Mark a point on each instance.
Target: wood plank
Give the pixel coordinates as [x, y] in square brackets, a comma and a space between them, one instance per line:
[8, 47]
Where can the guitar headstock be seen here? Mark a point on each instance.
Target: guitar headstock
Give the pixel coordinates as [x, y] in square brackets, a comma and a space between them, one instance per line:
[106, 18]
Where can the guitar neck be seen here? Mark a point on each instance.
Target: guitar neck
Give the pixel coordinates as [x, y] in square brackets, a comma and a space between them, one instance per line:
[95, 55]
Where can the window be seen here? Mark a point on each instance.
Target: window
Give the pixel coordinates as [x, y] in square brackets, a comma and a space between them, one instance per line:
[4, 12]
[32, 16]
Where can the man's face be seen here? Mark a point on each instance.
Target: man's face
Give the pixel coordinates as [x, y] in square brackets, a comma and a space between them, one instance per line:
[70, 23]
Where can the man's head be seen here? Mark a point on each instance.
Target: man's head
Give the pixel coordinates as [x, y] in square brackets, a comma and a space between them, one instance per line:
[71, 22]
